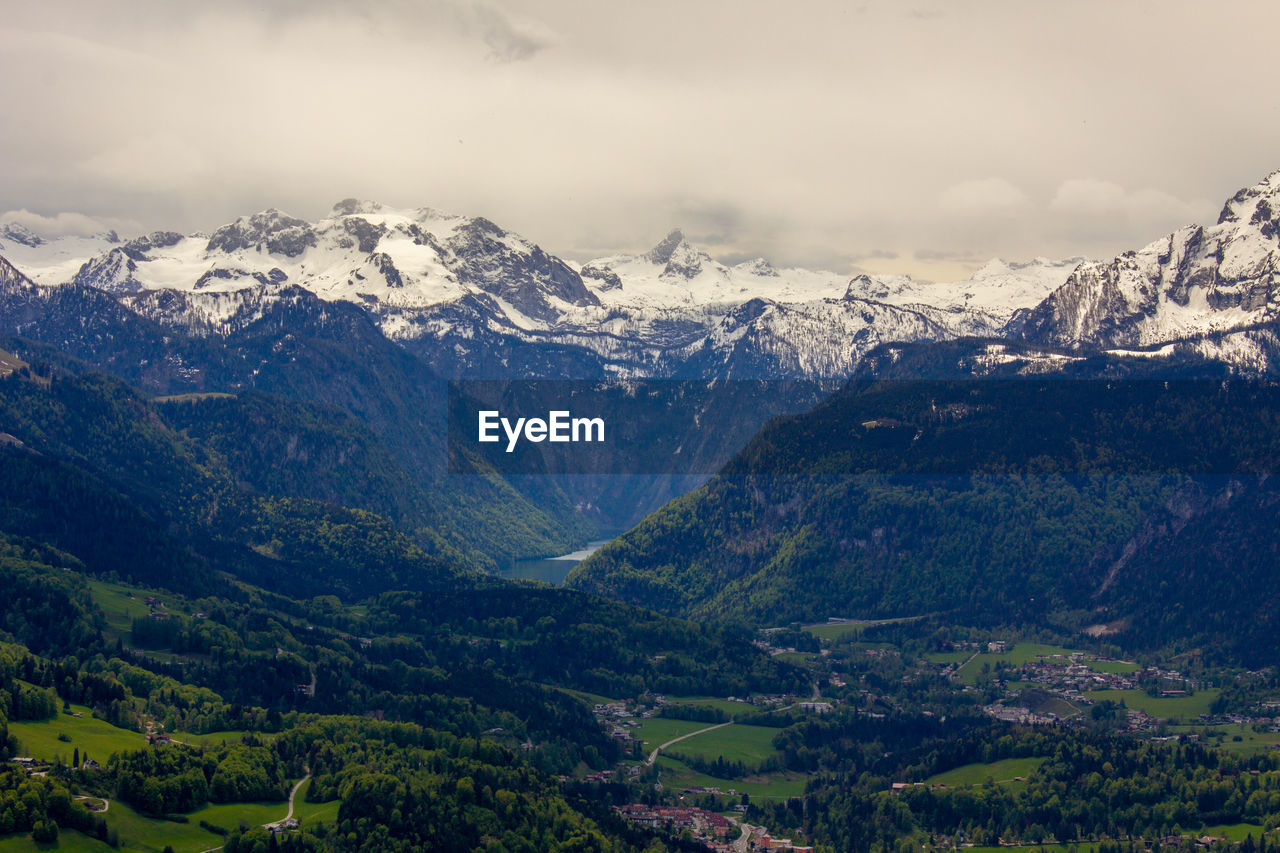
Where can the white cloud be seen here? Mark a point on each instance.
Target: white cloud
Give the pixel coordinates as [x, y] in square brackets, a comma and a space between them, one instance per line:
[62, 224]
[1090, 208]
[812, 136]
[511, 38]
[164, 163]
[983, 197]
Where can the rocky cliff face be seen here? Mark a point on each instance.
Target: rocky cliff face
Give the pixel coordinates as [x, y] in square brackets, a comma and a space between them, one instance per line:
[473, 299]
[1197, 281]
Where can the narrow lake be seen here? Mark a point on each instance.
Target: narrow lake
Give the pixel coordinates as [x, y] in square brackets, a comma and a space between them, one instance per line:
[553, 570]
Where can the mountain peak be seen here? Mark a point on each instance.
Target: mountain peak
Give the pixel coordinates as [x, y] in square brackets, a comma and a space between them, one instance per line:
[353, 206]
[1253, 204]
[1197, 280]
[661, 253]
[19, 233]
[758, 267]
[276, 232]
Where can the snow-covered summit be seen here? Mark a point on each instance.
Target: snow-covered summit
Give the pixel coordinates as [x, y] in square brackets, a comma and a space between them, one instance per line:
[16, 232]
[998, 289]
[476, 298]
[677, 274]
[1198, 280]
[362, 252]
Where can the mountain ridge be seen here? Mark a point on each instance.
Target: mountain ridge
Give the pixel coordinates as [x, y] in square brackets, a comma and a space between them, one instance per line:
[475, 300]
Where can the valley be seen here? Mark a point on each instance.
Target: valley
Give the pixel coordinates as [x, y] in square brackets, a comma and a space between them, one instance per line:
[886, 566]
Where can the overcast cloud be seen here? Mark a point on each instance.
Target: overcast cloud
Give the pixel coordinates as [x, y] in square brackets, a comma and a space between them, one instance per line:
[889, 137]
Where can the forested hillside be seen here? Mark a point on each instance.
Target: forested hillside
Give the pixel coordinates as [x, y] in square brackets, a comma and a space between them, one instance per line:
[997, 501]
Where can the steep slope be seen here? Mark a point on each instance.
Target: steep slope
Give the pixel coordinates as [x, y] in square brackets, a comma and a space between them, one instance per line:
[1197, 281]
[90, 466]
[996, 500]
[1206, 557]
[474, 300]
[292, 344]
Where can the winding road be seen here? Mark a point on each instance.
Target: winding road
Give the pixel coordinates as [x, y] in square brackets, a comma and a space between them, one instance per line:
[106, 804]
[292, 796]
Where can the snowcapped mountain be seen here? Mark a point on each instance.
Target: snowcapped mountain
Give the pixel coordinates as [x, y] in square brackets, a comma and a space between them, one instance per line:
[360, 253]
[997, 290]
[476, 300]
[1211, 285]
[676, 274]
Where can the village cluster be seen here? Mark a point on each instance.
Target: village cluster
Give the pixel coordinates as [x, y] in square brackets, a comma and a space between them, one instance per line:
[715, 831]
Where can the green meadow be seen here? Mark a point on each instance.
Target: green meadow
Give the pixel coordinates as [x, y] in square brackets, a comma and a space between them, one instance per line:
[93, 737]
[748, 744]
[976, 774]
[1161, 707]
[676, 775]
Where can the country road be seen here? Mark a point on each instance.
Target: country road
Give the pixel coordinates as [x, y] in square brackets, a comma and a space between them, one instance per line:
[106, 804]
[653, 756]
[292, 796]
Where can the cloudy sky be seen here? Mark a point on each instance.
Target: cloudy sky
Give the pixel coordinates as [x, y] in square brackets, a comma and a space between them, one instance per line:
[888, 136]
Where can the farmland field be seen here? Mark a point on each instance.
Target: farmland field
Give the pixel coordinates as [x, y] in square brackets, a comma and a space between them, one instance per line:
[748, 744]
[1169, 708]
[659, 730]
[677, 775]
[93, 737]
[730, 708]
[69, 841]
[976, 774]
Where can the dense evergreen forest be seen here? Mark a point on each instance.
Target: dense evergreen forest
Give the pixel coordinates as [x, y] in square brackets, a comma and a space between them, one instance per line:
[251, 592]
[1045, 501]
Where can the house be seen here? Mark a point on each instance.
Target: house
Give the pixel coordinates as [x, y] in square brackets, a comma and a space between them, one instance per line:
[816, 707]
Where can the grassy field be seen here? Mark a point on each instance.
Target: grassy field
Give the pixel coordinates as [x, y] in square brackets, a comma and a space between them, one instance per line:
[92, 737]
[1235, 832]
[748, 744]
[229, 815]
[836, 632]
[797, 658]
[1172, 708]
[142, 833]
[730, 708]
[147, 834]
[1115, 667]
[215, 738]
[313, 813]
[1024, 653]
[1223, 737]
[1028, 652]
[122, 604]
[977, 774]
[1056, 705]
[948, 657]
[589, 698]
[69, 841]
[677, 776]
[970, 671]
[659, 730]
